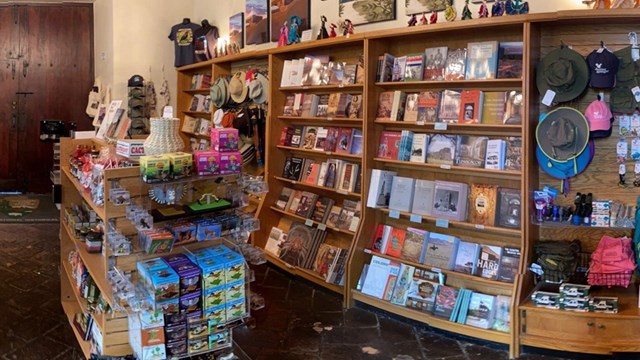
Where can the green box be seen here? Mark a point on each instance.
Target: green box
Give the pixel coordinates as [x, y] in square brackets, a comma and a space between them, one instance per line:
[155, 168]
[181, 164]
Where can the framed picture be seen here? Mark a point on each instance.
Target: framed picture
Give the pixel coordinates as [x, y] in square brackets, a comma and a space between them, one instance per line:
[236, 29]
[419, 6]
[283, 10]
[256, 21]
[367, 11]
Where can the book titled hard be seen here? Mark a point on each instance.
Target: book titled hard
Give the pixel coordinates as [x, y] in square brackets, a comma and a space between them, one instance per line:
[380, 188]
[482, 204]
[489, 261]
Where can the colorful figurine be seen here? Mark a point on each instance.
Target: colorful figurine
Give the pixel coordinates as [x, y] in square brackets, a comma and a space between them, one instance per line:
[348, 28]
[601, 4]
[294, 36]
[323, 34]
[498, 8]
[433, 18]
[483, 12]
[332, 30]
[466, 12]
[423, 19]
[516, 7]
[284, 31]
[413, 21]
[450, 12]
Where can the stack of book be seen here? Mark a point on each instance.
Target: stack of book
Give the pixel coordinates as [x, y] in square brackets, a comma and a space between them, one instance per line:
[200, 81]
[341, 140]
[334, 174]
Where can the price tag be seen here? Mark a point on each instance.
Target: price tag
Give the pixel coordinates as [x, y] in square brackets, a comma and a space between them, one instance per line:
[445, 166]
[308, 222]
[636, 93]
[394, 214]
[294, 182]
[548, 97]
[479, 226]
[420, 122]
[167, 112]
[289, 265]
[306, 35]
[342, 192]
[367, 251]
[329, 119]
[443, 223]
[305, 88]
[436, 270]
[440, 126]
[416, 218]
[322, 227]
[341, 85]
[328, 152]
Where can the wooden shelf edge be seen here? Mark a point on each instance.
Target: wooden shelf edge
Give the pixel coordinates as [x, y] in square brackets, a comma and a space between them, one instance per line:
[440, 323]
[316, 152]
[303, 273]
[84, 194]
[97, 318]
[69, 310]
[321, 87]
[323, 119]
[454, 83]
[300, 218]
[504, 174]
[454, 127]
[304, 184]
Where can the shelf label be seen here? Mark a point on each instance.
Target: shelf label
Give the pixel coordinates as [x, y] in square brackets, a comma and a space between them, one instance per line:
[322, 227]
[305, 88]
[440, 126]
[329, 119]
[479, 226]
[436, 270]
[367, 251]
[341, 85]
[443, 223]
[342, 192]
[416, 218]
[289, 265]
[328, 152]
[394, 214]
[420, 122]
[445, 166]
[294, 182]
[308, 222]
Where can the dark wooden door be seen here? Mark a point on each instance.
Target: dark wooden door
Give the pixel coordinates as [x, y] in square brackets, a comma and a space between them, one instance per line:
[55, 74]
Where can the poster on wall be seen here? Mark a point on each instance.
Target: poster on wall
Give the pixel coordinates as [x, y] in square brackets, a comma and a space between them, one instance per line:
[257, 21]
[236, 29]
[420, 6]
[367, 11]
[282, 10]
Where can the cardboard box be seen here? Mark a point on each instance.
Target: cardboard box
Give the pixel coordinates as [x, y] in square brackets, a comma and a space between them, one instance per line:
[219, 340]
[215, 297]
[216, 316]
[189, 275]
[236, 309]
[212, 272]
[155, 168]
[130, 148]
[230, 163]
[224, 140]
[165, 284]
[234, 291]
[233, 266]
[181, 164]
[207, 162]
[177, 348]
[191, 303]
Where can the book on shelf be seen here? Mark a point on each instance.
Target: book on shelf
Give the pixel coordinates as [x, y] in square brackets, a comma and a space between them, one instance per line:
[398, 105]
[414, 247]
[482, 204]
[298, 99]
[380, 188]
[493, 107]
[309, 105]
[296, 136]
[381, 277]
[401, 290]
[411, 107]
[343, 102]
[449, 110]
[339, 269]
[466, 257]
[445, 301]
[389, 145]
[318, 240]
[455, 65]
[321, 209]
[399, 65]
[513, 159]
[349, 218]
[453, 316]
[481, 310]
[428, 104]
[295, 249]
[322, 173]
[385, 67]
[441, 251]
[482, 60]
[276, 239]
[422, 293]
[305, 206]
[349, 77]
[442, 149]
[496, 154]
[292, 206]
[413, 70]
[344, 140]
[348, 175]
[401, 193]
[292, 168]
[450, 200]
[204, 127]
[509, 208]
[334, 217]
[471, 151]
[189, 125]
[310, 170]
[381, 238]
[313, 69]
[385, 102]
[332, 173]
[514, 108]
[332, 106]
[395, 242]
[489, 261]
[323, 105]
[471, 102]
[363, 276]
[285, 136]
[356, 142]
[325, 258]
[334, 72]
[509, 263]
[423, 197]
[419, 148]
[404, 148]
[197, 103]
[435, 62]
[510, 59]
[354, 107]
[331, 141]
[321, 138]
[284, 198]
[502, 317]
[463, 306]
[309, 137]
[286, 73]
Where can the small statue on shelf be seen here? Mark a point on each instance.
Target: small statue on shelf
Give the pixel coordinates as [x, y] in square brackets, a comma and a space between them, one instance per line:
[483, 12]
[284, 32]
[450, 12]
[348, 28]
[423, 20]
[332, 30]
[466, 12]
[433, 18]
[516, 7]
[498, 8]
[413, 21]
[323, 34]
[294, 25]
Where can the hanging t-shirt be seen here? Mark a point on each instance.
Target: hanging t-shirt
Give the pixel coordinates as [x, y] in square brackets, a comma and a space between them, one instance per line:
[183, 41]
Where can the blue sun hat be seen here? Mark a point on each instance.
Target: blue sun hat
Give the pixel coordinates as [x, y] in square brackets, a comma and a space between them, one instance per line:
[563, 147]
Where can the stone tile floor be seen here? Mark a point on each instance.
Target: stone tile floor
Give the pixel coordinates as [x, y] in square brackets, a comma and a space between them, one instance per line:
[33, 326]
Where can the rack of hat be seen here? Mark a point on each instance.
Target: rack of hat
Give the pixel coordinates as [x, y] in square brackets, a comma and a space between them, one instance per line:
[600, 202]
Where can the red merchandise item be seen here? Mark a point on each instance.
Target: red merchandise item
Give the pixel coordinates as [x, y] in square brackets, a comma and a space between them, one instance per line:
[612, 263]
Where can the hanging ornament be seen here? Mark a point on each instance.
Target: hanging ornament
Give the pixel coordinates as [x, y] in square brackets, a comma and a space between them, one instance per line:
[483, 12]
[450, 12]
[516, 7]
[498, 8]
[433, 18]
[466, 13]
[423, 19]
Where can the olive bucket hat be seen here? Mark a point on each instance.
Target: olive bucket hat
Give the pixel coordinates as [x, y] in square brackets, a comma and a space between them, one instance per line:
[563, 134]
[565, 72]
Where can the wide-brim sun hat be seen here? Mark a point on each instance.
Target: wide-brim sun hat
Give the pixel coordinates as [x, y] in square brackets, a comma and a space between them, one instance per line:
[219, 93]
[563, 71]
[259, 89]
[237, 87]
[563, 134]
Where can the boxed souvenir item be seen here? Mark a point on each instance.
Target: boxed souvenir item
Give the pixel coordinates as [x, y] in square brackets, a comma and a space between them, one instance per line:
[174, 319]
[176, 259]
[155, 168]
[219, 340]
[165, 284]
[224, 140]
[176, 348]
[574, 290]
[207, 162]
[207, 230]
[155, 352]
[198, 329]
[233, 266]
[198, 345]
[176, 332]
[151, 319]
[190, 303]
[234, 290]
[215, 297]
[546, 299]
[181, 164]
[212, 272]
[171, 306]
[131, 148]
[574, 303]
[154, 336]
[230, 163]
[156, 241]
[189, 277]
[603, 304]
[216, 315]
[183, 232]
[236, 309]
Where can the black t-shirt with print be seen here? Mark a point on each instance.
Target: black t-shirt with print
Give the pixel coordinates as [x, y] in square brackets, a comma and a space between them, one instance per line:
[182, 37]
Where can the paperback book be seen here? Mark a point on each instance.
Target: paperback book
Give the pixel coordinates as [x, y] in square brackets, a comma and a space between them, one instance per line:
[399, 65]
[449, 110]
[471, 102]
[428, 103]
[298, 244]
[385, 102]
[509, 264]
[380, 188]
[381, 277]
[502, 318]
[467, 257]
[422, 294]
[450, 200]
[419, 148]
[489, 261]
[389, 144]
[455, 65]
[434, 63]
[423, 197]
[309, 137]
[482, 60]
[401, 290]
[509, 208]
[471, 151]
[442, 149]
[482, 204]
[344, 140]
[411, 107]
[414, 67]
[401, 193]
[510, 60]
[493, 107]
[414, 245]
[441, 251]
[445, 301]
[513, 160]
